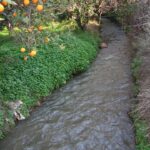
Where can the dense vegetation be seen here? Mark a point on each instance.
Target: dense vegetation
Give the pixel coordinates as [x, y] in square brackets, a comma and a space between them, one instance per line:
[141, 125]
[55, 62]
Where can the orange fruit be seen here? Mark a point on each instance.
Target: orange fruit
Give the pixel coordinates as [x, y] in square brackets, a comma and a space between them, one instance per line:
[26, 2]
[14, 14]
[40, 28]
[22, 50]
[1, 8]
[32, 53]
[39, 8]
[25, 58]
[35, 1]
[4, 3]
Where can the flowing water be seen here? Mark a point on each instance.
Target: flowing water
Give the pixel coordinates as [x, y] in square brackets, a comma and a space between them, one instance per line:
[90, 112]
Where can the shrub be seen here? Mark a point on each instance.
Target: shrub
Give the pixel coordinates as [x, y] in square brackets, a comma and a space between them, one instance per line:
[66, 54]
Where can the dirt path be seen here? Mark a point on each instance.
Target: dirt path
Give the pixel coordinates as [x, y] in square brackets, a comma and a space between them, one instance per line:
[90, 112]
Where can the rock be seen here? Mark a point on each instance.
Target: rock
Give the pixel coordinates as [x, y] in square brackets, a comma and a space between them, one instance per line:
[38, 104]
[18, 116]
[15, 105]
[16, 109]
[104, 45]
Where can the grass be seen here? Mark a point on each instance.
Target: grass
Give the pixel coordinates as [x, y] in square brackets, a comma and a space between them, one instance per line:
[141, 138]
[140, 125]
[69, 53]
[135, 68]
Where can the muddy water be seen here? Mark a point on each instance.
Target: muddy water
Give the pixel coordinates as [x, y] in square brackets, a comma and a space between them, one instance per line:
[90, 112]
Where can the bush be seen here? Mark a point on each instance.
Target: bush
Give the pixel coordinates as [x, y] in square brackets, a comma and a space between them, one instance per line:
[54, 64]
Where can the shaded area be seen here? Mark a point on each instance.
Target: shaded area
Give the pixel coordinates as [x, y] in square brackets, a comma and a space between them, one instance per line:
[90, 112]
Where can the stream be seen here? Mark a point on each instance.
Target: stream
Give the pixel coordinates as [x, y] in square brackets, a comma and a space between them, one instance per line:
[90, 112]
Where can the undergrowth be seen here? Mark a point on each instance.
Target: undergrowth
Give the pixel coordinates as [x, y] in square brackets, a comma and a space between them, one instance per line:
[140, 125]
[123, 15]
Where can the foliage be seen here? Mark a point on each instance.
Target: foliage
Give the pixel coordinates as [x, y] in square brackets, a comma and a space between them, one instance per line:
[25, 14]
[26, 20]
[141, 126]
[23, 19]
[29, 80]
[123, 14]
[141, 132]
[84, 10]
